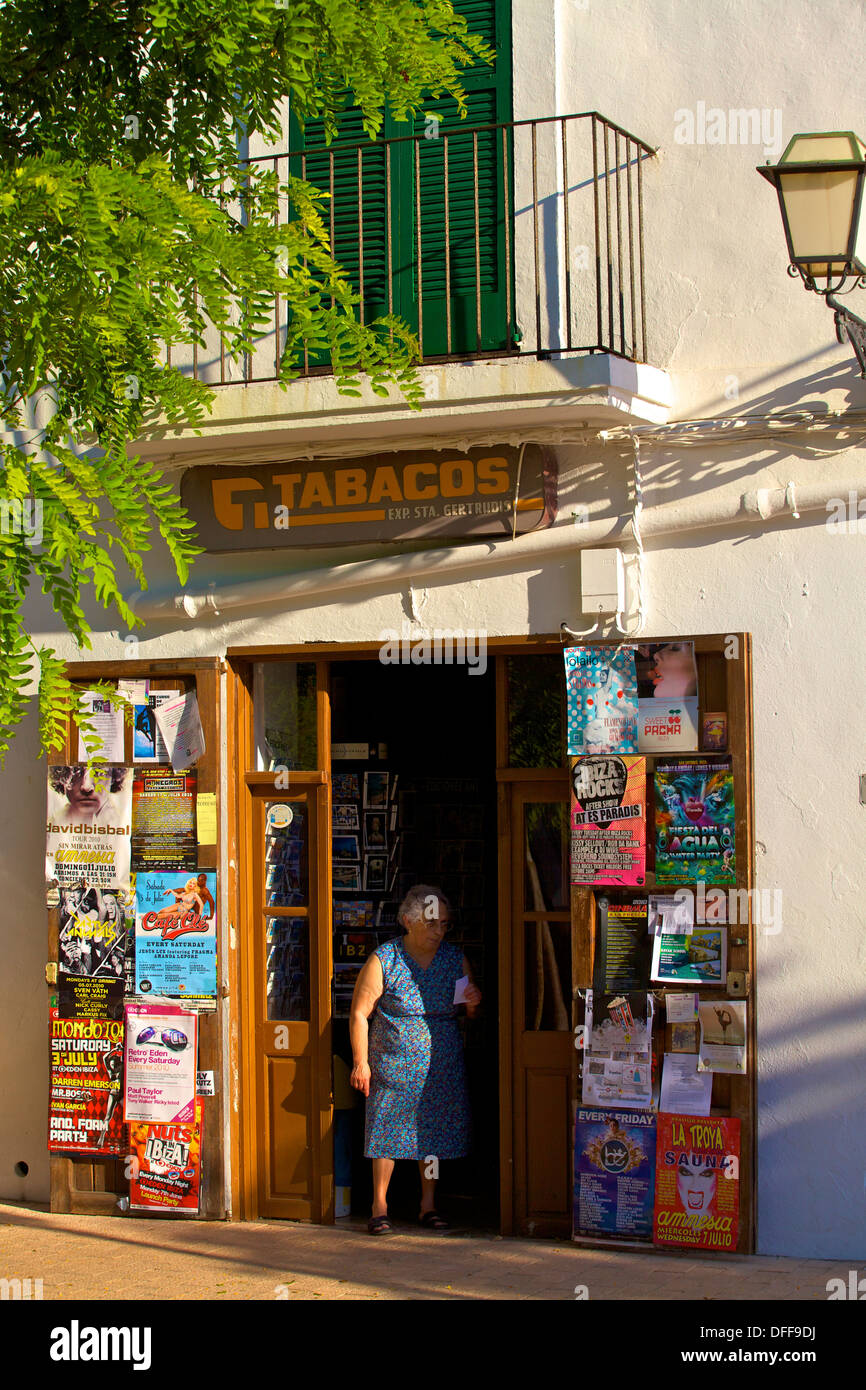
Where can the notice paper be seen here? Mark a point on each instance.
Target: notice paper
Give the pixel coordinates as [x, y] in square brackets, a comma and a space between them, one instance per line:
[460, 989]
[681, 1008]
[723, 1036]
[106, 721]
[685, 1090]
[206, 818]
[179, 723]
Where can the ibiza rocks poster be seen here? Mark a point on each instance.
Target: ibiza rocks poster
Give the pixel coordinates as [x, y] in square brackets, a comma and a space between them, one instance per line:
[697, 1197]
[608, 821]
[85, 1112]
[694, 821]
[166, 1166]
[601, 688]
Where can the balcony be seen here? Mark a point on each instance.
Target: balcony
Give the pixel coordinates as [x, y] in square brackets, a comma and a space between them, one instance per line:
[502, 246]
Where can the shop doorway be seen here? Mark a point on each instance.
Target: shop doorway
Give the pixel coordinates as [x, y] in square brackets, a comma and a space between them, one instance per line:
[418, 806]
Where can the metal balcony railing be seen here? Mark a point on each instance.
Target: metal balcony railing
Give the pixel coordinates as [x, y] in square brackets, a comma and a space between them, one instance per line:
[523, 238]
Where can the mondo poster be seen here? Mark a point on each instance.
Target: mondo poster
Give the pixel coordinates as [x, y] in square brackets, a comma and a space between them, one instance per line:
[85, 1114]
[697, 1182]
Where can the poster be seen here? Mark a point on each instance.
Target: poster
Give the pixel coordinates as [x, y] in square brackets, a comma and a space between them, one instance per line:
[694, 816]
[699, 958]
[161, 1047]
[723, 1036]
[179, 722]
[608, 821]
[666, 670]
[697, 1182]
[601, 694]
[84, 1112]
[164, 819]
[88, 828]
[622, 957]
[94, 926]
[614, 1165]
[148, 744]
[175, 935]
[166, 1169]
[106, 721]
[685, 1090]
[617, 1060]
[671, 912]
[667, 726]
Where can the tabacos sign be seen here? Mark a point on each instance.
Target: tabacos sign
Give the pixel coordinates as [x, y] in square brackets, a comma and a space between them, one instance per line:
[387, 497]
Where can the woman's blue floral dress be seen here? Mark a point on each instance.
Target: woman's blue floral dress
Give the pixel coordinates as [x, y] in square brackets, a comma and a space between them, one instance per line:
[417, 1107]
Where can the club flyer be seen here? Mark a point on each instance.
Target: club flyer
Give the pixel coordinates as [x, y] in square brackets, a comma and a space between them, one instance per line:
[608, 821]
[166, 1168]
[697, 1182]
[614, 1166]
[87, 834]
[694, 819]
[623, 945]
[601, 689]
[175, 935]
[161, 1046]
[94, 927]
[164, 820]
[85, 1114]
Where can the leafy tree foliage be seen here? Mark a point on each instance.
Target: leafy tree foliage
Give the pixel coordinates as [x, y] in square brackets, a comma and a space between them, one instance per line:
[128, 224]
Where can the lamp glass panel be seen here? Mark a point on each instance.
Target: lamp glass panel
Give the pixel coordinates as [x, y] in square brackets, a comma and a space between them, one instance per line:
[806, 148]
[819, 208]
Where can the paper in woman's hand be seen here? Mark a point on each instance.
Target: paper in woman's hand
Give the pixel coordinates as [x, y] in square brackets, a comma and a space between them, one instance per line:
[460, 989]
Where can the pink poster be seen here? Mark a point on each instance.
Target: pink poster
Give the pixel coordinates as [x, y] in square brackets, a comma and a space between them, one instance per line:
[608, 820]
[160, 1064]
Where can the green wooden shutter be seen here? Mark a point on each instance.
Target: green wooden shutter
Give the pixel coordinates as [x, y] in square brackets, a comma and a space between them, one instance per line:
[360, 244]
[488, 94]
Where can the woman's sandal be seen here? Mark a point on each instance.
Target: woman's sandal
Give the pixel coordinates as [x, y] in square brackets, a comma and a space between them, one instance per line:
[379, 1226]
[433, 1221]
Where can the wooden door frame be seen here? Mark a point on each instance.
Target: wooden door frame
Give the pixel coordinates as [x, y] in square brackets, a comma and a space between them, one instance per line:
[240, 746]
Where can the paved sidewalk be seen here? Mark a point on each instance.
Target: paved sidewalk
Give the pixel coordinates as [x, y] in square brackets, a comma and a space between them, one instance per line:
[87, 1257]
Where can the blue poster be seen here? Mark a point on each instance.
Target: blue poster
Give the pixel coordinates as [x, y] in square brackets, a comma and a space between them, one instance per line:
[601, 689]
[614, 1172]
[175, 935]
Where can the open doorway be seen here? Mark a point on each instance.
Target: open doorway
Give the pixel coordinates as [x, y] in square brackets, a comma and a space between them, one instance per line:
[420, 807]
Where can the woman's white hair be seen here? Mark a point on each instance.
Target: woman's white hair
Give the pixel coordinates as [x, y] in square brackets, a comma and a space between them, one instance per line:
[422, 902]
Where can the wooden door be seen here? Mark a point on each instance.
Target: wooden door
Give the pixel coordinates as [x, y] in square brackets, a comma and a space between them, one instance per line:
[541, 1004]
[287, 940]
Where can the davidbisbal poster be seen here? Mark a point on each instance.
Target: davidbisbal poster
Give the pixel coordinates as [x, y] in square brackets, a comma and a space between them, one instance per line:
[87, 834]
[608, 821]
[614, 1163]
[694, 816]
[697, 1197]
[85, 1114]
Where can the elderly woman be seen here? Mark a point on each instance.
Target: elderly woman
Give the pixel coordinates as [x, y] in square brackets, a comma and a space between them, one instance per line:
[409, 1060]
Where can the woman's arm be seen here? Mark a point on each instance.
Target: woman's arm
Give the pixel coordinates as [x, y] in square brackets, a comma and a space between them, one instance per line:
[369, 987]
[472, 997]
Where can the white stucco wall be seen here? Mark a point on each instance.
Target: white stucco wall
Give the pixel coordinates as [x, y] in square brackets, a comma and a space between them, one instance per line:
[737, 336]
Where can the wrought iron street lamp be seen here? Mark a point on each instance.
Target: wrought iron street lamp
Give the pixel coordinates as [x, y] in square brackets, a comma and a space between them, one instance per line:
[819, 180]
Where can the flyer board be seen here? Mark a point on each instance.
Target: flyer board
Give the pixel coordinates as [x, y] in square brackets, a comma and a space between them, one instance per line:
[84, 1112]
[614, 1167]
[608, 821]
[697, 1182]
[166, 1168]
[161, 1047]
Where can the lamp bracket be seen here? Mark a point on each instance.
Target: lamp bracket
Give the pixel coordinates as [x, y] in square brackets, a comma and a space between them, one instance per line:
[851, 328]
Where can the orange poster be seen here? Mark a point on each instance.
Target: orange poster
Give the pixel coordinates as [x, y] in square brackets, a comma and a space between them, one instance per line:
[697, 1182]
[166, 1169]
